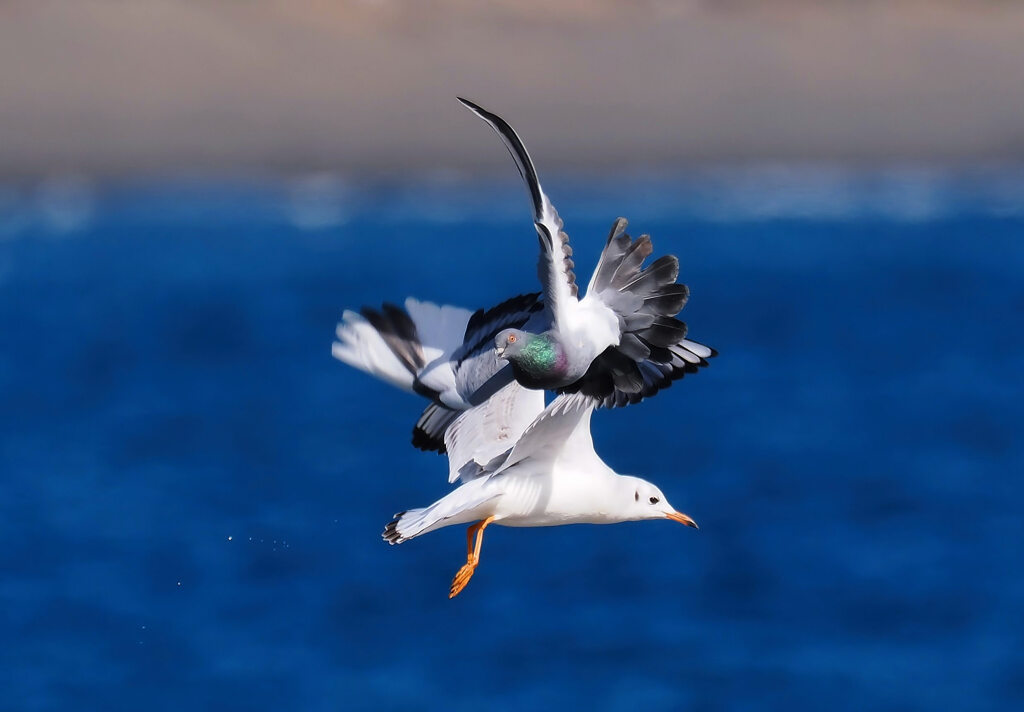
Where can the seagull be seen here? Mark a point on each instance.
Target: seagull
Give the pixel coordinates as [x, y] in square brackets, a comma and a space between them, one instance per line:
[551, 476]
[619, 344]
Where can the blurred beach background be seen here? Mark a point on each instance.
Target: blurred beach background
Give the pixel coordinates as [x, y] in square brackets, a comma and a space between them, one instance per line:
[192, 490]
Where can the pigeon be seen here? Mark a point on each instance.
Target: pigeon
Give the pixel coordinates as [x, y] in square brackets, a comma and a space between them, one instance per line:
[619, 344]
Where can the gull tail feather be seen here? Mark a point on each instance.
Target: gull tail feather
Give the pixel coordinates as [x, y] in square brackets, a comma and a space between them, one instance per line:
[457, 507]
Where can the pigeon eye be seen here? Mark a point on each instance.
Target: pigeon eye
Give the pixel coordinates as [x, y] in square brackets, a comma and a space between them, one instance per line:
[511, 338]
[654, 500]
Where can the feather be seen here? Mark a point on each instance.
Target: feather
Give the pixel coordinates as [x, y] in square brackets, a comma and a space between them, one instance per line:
[663, 331]
[662, 272]
[554, 266]
[668, 301]
[428, 433]
[611, 256]
[399, 333]
[639, 251]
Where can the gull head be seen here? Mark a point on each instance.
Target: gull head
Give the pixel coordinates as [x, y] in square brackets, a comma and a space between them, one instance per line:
[639, 499]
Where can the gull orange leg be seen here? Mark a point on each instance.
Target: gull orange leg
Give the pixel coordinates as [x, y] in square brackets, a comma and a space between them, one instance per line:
[472, 556]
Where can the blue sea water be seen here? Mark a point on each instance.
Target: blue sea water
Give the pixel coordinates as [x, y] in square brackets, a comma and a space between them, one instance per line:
[192, 491]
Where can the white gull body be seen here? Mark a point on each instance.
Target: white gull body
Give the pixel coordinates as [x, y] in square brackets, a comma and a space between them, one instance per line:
[550, 477]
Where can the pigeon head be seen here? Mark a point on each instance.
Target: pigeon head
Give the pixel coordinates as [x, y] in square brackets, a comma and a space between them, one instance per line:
[537, 354]
[642, 500]
[510, 342]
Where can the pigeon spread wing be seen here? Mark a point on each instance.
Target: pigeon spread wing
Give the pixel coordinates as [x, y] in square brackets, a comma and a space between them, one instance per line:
[555, 265]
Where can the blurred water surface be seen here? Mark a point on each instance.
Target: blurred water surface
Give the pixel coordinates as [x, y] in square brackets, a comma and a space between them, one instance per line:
[192, 490]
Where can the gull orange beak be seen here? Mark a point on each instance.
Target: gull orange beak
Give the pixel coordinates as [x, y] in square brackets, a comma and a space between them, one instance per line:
[682, 519]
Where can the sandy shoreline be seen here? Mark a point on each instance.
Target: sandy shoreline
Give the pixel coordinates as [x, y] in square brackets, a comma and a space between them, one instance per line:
[109, 87]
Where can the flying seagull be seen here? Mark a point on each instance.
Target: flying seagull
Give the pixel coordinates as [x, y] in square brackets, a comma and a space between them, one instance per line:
[617, 345]
[551, 476]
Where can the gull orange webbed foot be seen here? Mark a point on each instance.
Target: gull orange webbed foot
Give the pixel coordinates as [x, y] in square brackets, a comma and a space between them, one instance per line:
[461, 579]
[472, 556]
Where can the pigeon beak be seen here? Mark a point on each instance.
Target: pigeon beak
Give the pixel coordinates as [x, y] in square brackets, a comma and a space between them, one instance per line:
[682, 519]
[500, 350]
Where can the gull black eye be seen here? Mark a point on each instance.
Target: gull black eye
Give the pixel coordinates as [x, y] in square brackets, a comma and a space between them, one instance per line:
[654, 500]
[636, 496]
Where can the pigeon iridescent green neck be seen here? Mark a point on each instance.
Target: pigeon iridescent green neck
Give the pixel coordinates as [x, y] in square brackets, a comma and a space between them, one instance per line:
[540, 358]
